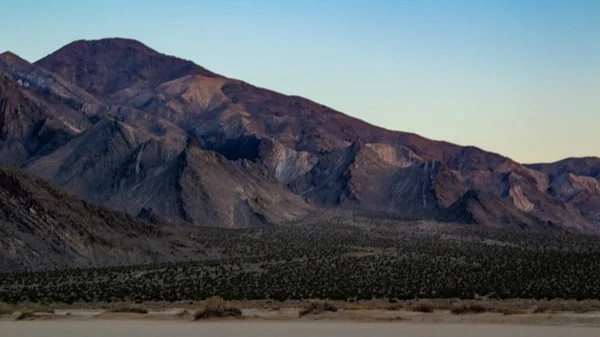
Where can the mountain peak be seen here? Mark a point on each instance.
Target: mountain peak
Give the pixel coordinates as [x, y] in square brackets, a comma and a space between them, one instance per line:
[8, 53]
[114, 43]
[9, 57]
[123, 63]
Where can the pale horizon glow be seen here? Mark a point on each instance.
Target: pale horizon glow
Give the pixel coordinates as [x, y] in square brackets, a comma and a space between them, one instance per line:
[519, 78]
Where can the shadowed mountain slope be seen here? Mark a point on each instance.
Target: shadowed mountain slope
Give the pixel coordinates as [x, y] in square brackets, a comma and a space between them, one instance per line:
[43, 227]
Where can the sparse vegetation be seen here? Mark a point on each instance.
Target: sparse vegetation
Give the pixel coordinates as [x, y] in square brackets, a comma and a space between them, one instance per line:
[342, 259]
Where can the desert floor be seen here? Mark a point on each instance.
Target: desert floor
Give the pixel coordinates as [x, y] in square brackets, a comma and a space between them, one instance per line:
[131, 328]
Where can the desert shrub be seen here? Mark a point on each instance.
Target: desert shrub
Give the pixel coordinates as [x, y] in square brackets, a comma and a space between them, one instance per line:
[216, 307]
[215, 303]
[468, 308]
[132, 309]
[423, 306]
[317, 307]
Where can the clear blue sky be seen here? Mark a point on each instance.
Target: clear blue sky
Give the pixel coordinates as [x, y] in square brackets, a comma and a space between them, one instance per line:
[518, 77]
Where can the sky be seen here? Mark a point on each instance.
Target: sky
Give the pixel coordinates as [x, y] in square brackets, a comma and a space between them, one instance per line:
[516, 77]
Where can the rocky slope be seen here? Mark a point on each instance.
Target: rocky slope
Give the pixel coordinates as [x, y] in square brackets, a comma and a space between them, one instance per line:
[262, 147]
[42, 227]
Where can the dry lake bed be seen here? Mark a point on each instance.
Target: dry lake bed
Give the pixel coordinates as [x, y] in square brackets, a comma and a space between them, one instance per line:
[104, 328]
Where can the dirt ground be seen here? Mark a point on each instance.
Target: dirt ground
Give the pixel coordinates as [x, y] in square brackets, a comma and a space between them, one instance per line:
[291, 314]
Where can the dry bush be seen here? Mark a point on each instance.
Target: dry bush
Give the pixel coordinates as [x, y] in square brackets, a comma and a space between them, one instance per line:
[132, 309]
[215, 303]
[216, 307]
[318, 307]
[423, 306]
[468, 308]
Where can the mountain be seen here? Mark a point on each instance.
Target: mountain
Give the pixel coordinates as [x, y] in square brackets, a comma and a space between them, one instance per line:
[173, 142]
[576, 183]
[31, 126]
[50, 86]
[42, 227]
[587, 167]
[109, 66]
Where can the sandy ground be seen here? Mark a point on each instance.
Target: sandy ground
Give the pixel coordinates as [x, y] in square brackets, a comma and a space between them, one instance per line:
[132, 328]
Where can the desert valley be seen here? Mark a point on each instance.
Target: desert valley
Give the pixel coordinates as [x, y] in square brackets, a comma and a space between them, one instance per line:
[131, 176]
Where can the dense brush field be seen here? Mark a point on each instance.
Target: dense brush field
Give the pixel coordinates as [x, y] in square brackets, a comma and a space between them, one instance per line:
[341, 258]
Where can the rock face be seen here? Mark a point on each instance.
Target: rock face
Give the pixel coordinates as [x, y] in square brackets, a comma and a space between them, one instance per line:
[124, 126]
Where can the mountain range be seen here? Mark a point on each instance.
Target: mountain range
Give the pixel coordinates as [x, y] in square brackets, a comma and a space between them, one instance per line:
[160, 138]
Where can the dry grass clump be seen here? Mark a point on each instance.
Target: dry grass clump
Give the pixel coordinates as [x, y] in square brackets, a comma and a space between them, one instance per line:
[29, 312]
[23, 315]
[507, 310]
[395, 307]
[542, 307]
[130, 309]
[5, 309]
[318, 307]
[561, 305]
[468, 308]
[423, 306]
[216, 307]
[42, 310]
[586, 306]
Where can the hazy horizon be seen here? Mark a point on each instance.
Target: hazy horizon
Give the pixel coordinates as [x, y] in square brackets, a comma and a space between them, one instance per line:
[520, 78]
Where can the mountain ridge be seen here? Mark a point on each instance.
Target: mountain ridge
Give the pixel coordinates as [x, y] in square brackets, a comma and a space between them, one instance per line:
[308, 149]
